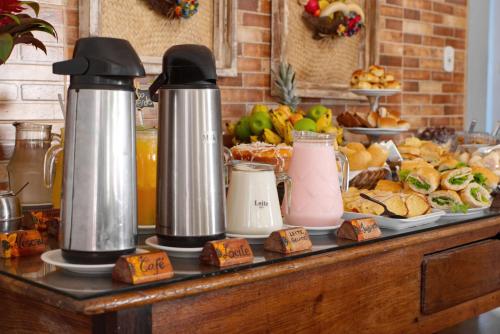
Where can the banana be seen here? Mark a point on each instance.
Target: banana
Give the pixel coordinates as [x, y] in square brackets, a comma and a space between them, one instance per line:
[270, 137]
[254, 139]
[337, 6]
[230, 128]
[284, 110]
[324, 121]
[279, 122]
[288, 133]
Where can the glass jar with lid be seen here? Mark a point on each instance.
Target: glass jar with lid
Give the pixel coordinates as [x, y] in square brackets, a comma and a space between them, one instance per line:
[27, 162]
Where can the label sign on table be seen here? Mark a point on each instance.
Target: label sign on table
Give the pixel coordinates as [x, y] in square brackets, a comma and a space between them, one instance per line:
[288, 241]
[142, 268]
[227, 252]
[359, 229]
[30, 242]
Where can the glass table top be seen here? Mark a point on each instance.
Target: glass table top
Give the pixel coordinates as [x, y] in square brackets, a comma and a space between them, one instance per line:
[33, 271]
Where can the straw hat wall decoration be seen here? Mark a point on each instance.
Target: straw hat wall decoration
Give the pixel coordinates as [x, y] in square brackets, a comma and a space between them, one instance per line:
[175, 9]
[329, 18]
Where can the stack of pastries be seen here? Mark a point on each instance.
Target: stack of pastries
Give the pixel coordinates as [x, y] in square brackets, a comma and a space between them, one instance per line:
[375, 78]
[382, 118]
[361, 158]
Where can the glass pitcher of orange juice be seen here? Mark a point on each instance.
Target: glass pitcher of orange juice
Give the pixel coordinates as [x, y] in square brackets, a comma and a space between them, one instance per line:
[146, 148]
[54, 159]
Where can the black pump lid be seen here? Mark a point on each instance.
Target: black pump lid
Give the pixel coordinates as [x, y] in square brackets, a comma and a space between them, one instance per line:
[102, 63]
[186, 65]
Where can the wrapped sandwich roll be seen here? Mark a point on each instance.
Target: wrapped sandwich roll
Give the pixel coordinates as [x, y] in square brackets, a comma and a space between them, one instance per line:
[456, 179]
[485, 177]
[476, 196]
[423, 180]
[444, 199]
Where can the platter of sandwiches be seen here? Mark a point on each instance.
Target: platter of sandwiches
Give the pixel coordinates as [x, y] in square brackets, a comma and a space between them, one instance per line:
[434, 183]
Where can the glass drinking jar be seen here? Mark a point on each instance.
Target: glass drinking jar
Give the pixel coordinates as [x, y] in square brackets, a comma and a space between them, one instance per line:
[146, 148]
[26, 164]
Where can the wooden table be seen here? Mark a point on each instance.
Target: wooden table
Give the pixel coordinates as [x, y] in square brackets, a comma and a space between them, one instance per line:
[418, 281]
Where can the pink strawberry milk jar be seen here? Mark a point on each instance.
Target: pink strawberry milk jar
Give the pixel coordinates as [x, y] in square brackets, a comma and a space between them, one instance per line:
[315, 198]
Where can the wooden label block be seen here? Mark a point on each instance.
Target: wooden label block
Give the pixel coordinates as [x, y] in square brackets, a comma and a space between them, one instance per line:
[8, 244]
[142, 268]
[30, 242]
[290, 240]
[227, 252]
[359, 229]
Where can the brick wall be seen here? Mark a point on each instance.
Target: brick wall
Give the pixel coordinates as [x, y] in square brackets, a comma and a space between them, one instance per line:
[412, 34]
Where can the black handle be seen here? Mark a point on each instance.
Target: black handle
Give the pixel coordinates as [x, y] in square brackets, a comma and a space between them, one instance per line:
[365, 196]
[159, 81]
[75, 66]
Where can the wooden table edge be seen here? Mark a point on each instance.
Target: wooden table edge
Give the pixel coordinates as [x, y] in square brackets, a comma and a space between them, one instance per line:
[119, 301]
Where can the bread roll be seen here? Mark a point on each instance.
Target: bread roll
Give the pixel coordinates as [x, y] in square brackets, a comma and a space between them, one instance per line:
[382, 112]
[388, 185]
[444, 199]
[409, 150]
[393, 114]
[393, 85]
[475, 196]
[386, 122]
[417, 205]
[372, 119]
[356, 146]
[359, 160]
[379, 155]
[423, 180]
[387, 78]
[403, 125]
[364, 85]
[431, 153]
[456, 179]
[490, 179]
[447, 164]
[376, 70]
[412, 165]
[397, 205]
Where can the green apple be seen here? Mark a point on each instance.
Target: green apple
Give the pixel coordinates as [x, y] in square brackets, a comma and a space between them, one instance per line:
[242, 129]
[259, 108]
[305, 124]
[315, 112]
[259, 121]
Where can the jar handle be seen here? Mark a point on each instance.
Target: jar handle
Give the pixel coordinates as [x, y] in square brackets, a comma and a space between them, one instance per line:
[228, 159]
[344, 170]
[288, 190]
[48, 164]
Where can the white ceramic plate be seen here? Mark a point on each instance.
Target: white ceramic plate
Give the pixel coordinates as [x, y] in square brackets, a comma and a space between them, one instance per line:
[470, 213]
[55, 258]
[314, 230]
[175, 251]
[398, 224]
[253, 239]
[376, 92]
[376, 131]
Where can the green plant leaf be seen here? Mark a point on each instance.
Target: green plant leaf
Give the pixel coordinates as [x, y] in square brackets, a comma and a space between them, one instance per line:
[12, 17]
[33, 24]
[34, 5]
[6, 45]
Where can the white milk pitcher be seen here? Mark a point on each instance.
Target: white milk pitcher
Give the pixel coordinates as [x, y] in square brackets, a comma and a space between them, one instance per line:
[253, 207]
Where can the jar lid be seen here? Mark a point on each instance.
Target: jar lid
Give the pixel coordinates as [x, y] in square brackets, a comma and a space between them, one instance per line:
[244, 166]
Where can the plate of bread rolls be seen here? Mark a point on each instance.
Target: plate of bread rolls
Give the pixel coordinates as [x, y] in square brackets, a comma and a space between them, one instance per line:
[374, 82]
[406, 203]
[380, 122]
